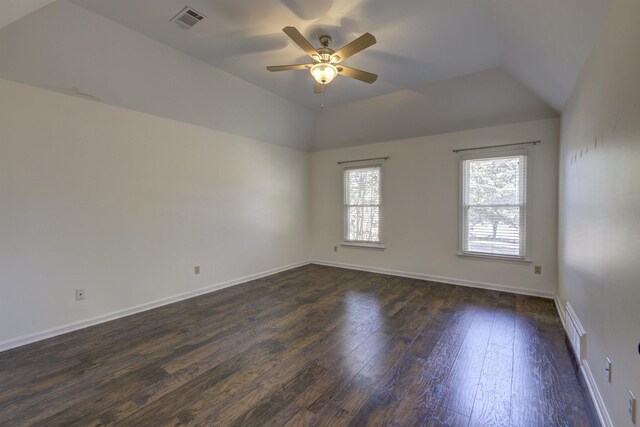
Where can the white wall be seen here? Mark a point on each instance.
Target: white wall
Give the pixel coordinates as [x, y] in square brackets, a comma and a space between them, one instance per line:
[63, 46]
[599, 225]
[124, 205]
[420, 191]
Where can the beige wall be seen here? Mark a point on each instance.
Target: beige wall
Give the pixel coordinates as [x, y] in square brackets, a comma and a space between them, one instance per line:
[420, 187]
[124, 205]
[599, 250]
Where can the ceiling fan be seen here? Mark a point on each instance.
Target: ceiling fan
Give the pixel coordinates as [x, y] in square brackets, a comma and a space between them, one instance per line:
[326, 62]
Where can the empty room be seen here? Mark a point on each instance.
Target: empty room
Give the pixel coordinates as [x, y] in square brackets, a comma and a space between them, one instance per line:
[327, 212]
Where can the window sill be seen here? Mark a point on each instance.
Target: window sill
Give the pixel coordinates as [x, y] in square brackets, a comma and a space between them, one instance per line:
[375, 246]
[501, 258]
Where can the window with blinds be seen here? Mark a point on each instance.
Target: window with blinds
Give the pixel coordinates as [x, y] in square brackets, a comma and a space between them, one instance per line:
[362, 197]
[494, 205]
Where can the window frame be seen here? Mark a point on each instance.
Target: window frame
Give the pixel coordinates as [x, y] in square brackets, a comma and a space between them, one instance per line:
[361, 243]
[491, 153]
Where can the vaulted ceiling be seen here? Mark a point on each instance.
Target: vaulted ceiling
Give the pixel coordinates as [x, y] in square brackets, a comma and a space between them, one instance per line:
[443, 65]
[541, 43]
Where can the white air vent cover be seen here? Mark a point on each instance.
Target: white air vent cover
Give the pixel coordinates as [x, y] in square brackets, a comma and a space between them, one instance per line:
[187, 18]
[576, 333]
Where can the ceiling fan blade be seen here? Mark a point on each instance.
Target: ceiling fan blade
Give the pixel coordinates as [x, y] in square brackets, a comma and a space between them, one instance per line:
[299, 39]
[354, 73]
[289, 67]
[319, 88]
[361, 43]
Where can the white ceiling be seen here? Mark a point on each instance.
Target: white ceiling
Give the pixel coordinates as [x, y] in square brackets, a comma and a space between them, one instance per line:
[541, 43]
[483, 99]
[12, 10]
[544, 43]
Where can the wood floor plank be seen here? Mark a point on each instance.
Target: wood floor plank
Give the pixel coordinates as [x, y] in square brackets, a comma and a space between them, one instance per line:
[424, 395]
[405, 324]
[174, 402]
[198, 365]
[444, 417]
[302, 418]
[331, 416]
[275, 402]
[311, 346]
[283, 417]
[543, 373]
[461, 385]
[492, 405]
[380, 407]
[233, 407]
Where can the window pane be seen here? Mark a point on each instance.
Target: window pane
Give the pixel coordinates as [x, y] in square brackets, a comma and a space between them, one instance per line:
[363, 224]
[493, 230]
[362, 186]
[495, 181]
[495, 205]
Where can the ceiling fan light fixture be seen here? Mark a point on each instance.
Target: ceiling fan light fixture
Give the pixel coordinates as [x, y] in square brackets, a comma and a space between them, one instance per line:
[324, 72]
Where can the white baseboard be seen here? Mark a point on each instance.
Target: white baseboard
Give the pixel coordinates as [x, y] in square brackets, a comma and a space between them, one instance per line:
[449, 280]
[561, 312]
[49, 333]
[601, 409]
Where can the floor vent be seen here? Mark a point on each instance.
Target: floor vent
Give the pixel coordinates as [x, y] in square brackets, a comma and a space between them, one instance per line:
[576, 333]
[187, 18]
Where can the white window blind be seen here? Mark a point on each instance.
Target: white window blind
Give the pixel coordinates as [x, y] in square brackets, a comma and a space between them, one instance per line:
[362, 187]
[494, 205]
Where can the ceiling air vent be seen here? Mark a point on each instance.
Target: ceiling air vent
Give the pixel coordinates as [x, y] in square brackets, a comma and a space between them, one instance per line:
[187, 18]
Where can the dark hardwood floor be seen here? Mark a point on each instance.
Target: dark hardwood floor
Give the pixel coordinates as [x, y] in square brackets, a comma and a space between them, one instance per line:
[311, 346]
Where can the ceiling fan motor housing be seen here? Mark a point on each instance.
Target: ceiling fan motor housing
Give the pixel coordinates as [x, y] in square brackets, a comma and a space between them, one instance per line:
[326, 54]
[325, 40]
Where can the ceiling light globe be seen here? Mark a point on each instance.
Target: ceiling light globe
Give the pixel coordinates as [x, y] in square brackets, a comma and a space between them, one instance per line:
[324, 72]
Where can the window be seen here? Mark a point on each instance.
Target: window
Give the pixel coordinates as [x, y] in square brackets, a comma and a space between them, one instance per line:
[362, 196]
[494, 204]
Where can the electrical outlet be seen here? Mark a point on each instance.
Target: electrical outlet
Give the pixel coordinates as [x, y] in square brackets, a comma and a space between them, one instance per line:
[79, 294]
[608, 369]
[335, 249]
[196, 269]
[537, 269]
[632, 407]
